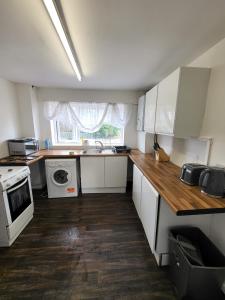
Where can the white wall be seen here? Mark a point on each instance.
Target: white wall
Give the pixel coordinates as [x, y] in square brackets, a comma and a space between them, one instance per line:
[35, 112]
[9, 119]
[214, 121]
[28, 110]
[61, 94]
[25, 109]
[213, 126]
[185, 150]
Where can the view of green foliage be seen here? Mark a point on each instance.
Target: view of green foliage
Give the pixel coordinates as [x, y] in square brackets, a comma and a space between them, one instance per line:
[105, 132]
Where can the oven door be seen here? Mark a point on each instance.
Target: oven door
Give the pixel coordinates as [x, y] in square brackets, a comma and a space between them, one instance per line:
[19, 198]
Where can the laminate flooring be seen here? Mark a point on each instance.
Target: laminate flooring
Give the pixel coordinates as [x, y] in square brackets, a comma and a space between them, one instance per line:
[90, 247]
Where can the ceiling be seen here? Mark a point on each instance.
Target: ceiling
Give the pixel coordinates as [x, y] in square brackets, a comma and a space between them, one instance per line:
[120, 44]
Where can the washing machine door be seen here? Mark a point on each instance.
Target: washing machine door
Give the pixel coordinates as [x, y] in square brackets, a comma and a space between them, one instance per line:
[61, 177]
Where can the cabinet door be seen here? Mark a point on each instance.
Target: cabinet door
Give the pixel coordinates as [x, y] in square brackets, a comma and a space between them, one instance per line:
[149, 211]
[136, 192]
[150, 110]
[140, 113]
[92, 172]
[166, 103]
[116, 171]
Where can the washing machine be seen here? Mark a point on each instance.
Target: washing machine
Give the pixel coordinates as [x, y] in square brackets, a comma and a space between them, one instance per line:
[61, 177]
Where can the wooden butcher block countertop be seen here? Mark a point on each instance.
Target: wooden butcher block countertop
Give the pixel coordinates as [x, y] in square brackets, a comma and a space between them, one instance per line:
[42, 154]
[164, 176]
[183, 199]
[74, 153]
[19, 160]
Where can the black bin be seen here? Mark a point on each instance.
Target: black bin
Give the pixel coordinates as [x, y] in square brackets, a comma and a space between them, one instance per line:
[194, 281]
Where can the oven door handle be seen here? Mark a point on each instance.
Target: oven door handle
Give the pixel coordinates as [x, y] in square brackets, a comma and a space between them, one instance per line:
[18, 186]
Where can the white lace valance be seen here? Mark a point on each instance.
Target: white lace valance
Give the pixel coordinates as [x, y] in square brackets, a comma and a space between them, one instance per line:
[88, 117]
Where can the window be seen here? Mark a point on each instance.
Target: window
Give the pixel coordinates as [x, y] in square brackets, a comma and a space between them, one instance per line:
[107, 134]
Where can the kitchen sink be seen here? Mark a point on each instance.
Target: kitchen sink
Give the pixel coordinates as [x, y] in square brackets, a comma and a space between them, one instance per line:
[97, 151]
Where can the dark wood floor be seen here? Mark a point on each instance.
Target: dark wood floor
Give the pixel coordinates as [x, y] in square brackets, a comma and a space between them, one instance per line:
[92, 247]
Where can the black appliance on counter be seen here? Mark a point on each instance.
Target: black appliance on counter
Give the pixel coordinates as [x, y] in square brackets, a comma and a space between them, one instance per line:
[121, 149]
[190, 173]
[212, 182]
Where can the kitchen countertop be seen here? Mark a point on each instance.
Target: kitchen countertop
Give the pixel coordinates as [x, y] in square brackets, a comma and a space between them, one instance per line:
[26, 161]
[182, 198]
[164, 176]
[76, 153]
[19, 160]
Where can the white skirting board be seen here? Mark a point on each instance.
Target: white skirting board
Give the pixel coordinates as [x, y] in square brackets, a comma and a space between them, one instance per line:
[121, 190]
[162, 259]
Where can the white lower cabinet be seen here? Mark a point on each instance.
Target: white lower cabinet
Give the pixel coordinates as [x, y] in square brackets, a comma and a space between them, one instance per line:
[92, 172]
[149, 211]
[157, 217]
[146, 199]
[115, 171]
[136, 192]
[103, 174]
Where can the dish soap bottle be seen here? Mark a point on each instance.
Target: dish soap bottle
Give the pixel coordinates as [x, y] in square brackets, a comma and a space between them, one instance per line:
[47, 143]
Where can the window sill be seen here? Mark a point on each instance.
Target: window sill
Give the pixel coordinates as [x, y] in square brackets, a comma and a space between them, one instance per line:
[67, 145]
[79, 147]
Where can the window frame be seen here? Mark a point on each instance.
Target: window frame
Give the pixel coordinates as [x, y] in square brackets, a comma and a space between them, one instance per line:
[56, 141]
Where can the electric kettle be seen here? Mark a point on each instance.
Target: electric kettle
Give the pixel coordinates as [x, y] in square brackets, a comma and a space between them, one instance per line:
[212, 182]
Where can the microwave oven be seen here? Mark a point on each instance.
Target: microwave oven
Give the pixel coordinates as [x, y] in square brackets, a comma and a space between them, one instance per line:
[23, 146]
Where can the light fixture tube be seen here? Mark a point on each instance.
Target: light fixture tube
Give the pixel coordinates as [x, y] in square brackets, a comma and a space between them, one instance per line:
[50, 6]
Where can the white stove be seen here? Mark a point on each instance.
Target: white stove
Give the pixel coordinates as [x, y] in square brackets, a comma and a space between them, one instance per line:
[16, 202]
[10, 175]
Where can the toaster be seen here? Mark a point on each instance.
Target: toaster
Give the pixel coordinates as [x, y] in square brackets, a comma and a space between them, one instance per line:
[190, 173]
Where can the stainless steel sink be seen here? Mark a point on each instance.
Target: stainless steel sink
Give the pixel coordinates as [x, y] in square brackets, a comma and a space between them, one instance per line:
[97, 151]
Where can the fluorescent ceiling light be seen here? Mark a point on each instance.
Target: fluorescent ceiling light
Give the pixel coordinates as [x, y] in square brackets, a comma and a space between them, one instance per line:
[50, 6]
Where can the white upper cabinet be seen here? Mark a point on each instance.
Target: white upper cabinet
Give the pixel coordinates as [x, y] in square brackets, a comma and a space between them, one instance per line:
[140, 113]
[166, 103]
[150, 110]
[181, 102]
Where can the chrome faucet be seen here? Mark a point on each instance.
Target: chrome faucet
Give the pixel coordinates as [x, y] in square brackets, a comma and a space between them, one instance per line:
[101, 146]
